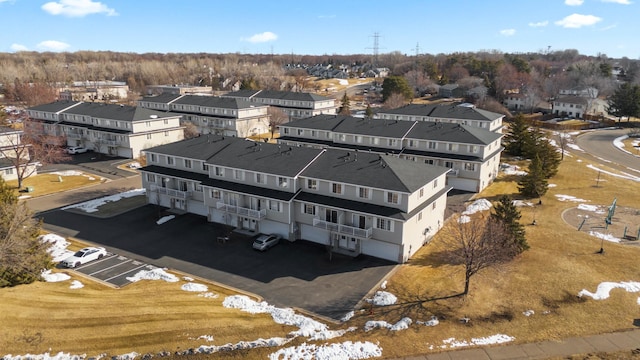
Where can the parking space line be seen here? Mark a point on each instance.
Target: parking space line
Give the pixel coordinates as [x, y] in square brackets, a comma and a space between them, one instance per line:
[139, 267]
[109, 256]
[110, 267]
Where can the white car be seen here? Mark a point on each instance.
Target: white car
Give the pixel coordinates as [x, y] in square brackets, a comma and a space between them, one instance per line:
[84, 256]
[76, 150]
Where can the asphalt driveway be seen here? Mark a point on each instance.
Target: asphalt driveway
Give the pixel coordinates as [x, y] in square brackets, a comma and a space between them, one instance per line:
[298, 274]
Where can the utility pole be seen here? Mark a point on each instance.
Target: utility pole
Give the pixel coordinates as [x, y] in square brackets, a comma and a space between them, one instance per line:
[376, 48]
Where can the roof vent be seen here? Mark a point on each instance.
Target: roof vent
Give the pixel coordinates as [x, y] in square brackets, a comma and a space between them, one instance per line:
[153, 116]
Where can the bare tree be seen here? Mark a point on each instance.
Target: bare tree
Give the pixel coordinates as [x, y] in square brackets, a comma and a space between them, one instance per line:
[31, 93]
[477, 242]
[31, 148]
[277, 117]
[190, 130]
[395, 101]
[562, 139]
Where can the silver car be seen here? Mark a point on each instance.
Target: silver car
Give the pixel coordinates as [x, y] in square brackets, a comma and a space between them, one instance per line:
[264, 242]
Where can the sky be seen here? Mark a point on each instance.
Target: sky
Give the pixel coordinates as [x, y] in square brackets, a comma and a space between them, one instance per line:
[321, 28]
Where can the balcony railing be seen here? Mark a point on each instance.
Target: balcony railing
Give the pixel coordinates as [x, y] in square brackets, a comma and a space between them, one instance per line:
[242, 211]
[453, 172]
[178, 194]
[343, 229]
[109, 142]
[72, 135]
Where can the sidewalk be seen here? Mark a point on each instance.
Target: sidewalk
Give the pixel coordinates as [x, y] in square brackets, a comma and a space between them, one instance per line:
[73, 196]
[604, 343]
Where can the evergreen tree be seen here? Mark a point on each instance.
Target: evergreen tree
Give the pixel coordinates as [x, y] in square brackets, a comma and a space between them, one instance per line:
[345, 107]
[508, 214]
[368, 111]
[517, 139]
[625, 101]
[534, 184]
[22, 254]
[549, 157]
[396, 85]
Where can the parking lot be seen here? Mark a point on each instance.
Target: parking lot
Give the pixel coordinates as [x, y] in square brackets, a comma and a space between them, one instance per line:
[113, 269]
[298, 274]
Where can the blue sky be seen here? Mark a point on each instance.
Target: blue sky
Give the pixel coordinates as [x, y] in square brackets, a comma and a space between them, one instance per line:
[321, 27]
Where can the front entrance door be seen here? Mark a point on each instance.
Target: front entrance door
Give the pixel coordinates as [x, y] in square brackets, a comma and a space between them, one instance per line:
[248, 224]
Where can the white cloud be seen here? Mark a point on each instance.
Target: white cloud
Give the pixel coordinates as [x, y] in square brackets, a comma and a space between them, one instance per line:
[508, 32]
[575, 21]
[18, 47]
[539, 24]
[52, 45]
[77, 8]
[573, 2]
[262, 37]
[623, 2]
[609, 27]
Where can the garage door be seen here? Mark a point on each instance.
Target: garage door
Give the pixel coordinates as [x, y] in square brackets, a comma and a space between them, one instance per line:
[273, 227]
[310, 233]
[197, 207]
[381, 249]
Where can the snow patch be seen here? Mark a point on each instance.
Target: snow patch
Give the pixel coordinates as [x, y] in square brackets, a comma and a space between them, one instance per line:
[209, 295]
[383, 285]
[383, 298]
[340, 351]
[528, 312]
[210, 349]
[478, 205]
[45, 356]
[347, 316]
[48, 276]
[586, 207]
[75, 284]
[154, 274]
[206, 337]
[520, 203]
[164, 219]
[433, 322]
[493, 339]
[57, 246]
[92, 206]
[512, 169]
[605, 237]
[569, 198]
[195, 287]
[551, 185]
[604, 288]
[622, 176]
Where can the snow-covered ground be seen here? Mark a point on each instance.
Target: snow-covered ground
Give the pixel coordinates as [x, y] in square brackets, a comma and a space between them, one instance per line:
[562, 197]
[604, 289]
[164, 219]
[93, 205]
[622, 176]
[383, 298]
[474, 207]
[511, 169]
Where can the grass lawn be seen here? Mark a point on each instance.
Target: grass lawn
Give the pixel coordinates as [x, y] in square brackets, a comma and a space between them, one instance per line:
[155, 316]
[44, 184]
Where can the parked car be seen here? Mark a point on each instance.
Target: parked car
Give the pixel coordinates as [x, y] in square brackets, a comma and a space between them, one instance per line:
[264, 241]
[76, 150]
[84, 256]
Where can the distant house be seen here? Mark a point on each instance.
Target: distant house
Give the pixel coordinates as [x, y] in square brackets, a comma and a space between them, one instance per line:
[450, 90]
[178, 89]
[117, 130]
[589, 92]
[478, 92]
[295, 104]
[571, 106]
[10, 141]
[213, 114]
[514, 101]
[94, 91]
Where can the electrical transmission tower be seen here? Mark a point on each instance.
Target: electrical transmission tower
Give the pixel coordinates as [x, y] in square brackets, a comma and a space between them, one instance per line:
[376, 48]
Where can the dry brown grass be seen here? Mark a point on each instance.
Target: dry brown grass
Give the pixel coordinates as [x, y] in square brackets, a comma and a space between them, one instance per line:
[157, 316]
[44, 184]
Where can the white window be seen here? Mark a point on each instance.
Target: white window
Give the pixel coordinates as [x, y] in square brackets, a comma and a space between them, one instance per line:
[435, 183]
[392, 198]
[375, 141]
[313, 133]
[364, 193]
[148, 136]
[153, 157]
[275, 205]
[187, 163]
[166, 121]
[359, 139]
[170, 160]
[205, 167]
[260, 178]
[336, 188]
[238, 174]
[151, 178]
[300, 131]
[286, 130]
[148, 123]
[342, 137]
[312, 184]
[215, 194]
[197, 187]
[470, 167]
[428, 161]
[421, 194]
[8, 171]
[282, 182]
[392, 142]
[384, 224]
[452, 147]
[420, 216]
[473, 149]
[448, 164]
[219, 171]
[309, 209]
[166, 133]
[432, 145]
[412, 143]
[182, 185]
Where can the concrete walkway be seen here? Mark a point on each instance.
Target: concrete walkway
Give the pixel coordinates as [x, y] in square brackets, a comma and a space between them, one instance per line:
[53, 201]
[604, 343]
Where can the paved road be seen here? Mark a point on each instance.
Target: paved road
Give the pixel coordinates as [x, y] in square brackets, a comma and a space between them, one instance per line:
[599, 145]
[99, 164]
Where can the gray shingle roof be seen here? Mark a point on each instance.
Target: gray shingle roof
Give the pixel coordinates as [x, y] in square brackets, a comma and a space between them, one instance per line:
[54, 106]
[117, 112]
[452, 111]
[451, 132]
[241, 93]
[215, 102]
[163, 98]
[318, 122]
[201, 148]
[372, 170]
[289, 95]
[374, 127]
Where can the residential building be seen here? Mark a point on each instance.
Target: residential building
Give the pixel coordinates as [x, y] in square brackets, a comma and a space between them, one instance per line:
[94, 91]
[178, 89]
[450, 91]
[587, 91]
[214, 115]
[117, 130]
[472, 155]
[354, 203]
[514, 101]
[11, 148]
[465, 114]
[296, 105]
[571, 106]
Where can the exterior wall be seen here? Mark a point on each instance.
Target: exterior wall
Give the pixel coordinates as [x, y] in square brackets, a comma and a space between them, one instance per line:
[9, 173]
[569, 109]
[419, 229]
[155, 124]
[139, 142]
[10, 139]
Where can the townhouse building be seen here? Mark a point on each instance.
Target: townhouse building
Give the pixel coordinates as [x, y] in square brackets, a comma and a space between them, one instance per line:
[117, 130]
[572, 106]
[472, 154]
[465, 114]
[352, 202]
[11, 149]
[214, 115]
[295, 104]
